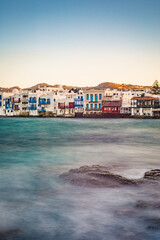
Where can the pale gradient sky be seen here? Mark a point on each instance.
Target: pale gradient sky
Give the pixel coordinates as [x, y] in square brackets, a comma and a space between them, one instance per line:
[79, 42]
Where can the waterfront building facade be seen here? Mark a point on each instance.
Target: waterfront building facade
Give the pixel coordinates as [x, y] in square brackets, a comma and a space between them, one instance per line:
[93, 101]
[1, 104]
[65, 107]
[79, 102]
[111, 106]
[56, 101]
[144, 105]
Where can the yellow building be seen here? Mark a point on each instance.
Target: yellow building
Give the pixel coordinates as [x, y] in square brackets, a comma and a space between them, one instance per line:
[93, 100]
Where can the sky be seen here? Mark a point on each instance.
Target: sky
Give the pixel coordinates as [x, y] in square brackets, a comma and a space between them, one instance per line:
[79, 42]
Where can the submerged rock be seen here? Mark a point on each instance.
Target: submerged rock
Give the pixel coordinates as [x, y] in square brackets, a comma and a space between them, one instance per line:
[153, 224]
[96, 176]
[6, 234]
[147, 205]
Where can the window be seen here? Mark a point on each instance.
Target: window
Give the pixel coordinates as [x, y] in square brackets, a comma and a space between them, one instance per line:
[87, 106]
[91, 97]
[96, 106]
[100, 96]
[0, 104]
[91, 106]
[96, 98]
[87, 96]
[100, 106]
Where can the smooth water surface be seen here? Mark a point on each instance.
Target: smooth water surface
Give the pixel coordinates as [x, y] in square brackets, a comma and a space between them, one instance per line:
[34, 200]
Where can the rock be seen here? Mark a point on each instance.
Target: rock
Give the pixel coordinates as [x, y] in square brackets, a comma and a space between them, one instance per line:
[127, 212]
[153, 224]
[153, 174]
[148, 205]
[96, 176]
[5, 234]
[100, 176]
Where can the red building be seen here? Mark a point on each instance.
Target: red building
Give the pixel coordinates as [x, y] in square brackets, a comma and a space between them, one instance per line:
[63, 105]
[111, 106]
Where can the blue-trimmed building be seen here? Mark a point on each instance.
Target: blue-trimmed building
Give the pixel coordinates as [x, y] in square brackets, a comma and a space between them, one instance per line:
[93, 100]
[44, 103]
[8, 103]
[1, 104]
[79, 102]
[33, 103]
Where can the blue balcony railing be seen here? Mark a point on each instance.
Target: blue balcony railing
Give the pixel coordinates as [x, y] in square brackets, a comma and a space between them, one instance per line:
[78, 105]
[8, 106]
[32, 100]
[44, 101]
[41, 110]
[32, 108]
[80, 98]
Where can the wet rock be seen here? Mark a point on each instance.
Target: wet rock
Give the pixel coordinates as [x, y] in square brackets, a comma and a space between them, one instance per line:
[128, 233]
[5, 234]
[153, 174]
[100, 176]
[153, 224]
[147, 205]
[127, 212]
[96, 176]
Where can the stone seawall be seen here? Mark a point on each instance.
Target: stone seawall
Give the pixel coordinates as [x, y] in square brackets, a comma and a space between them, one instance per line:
[102, 115]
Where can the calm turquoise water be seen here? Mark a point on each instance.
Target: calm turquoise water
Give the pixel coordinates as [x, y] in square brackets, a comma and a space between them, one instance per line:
[34, 151]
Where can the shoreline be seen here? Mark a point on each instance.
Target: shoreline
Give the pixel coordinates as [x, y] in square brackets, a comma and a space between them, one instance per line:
[105, 116]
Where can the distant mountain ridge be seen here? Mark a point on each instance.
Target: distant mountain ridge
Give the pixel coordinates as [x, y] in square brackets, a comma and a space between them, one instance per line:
[101, 86]
[122, 86]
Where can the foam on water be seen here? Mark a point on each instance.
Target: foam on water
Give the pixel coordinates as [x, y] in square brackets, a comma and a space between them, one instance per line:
[34, 151]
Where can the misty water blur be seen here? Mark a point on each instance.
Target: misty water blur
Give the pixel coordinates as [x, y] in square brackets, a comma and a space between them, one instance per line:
[35, 151]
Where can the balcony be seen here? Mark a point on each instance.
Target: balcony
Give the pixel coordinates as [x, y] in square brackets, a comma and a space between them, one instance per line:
[9, 107]
[44, 101]
[32, 108]
[146, 106]
[93, 109]
[94, 101]
[78, 99]
[41, 110]
[32, 100]
[78, 105]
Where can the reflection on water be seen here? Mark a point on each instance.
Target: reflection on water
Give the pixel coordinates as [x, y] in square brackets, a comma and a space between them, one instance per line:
[36, 204]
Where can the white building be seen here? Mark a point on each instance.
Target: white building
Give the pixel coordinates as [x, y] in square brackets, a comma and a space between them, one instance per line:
[144, 105]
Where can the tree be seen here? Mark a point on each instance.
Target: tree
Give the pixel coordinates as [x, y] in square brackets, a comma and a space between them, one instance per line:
[155, 87]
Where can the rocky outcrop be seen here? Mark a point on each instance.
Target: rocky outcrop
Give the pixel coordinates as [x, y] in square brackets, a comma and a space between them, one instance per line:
[99, 176]
[96, 176]
[153, 174]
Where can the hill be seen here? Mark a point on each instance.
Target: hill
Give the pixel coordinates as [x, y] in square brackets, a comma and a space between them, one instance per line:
[101, 86]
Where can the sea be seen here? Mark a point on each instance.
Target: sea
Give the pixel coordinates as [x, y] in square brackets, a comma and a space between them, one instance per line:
[36, 204]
